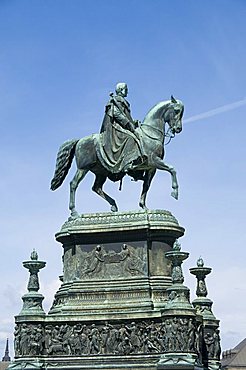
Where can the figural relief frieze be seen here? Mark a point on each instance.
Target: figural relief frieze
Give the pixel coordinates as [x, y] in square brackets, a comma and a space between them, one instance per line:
[73, 339]
[100, 263]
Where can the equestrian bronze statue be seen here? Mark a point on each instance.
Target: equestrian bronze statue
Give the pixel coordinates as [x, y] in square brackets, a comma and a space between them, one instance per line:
[123, 147]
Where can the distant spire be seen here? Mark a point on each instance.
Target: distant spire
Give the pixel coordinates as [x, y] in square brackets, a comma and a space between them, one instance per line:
[6, 357]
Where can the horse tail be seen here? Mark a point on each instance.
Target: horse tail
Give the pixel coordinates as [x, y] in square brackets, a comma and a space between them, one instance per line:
[63, 162]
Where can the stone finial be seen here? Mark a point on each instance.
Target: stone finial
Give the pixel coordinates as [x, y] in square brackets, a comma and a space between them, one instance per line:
[178, 294]
[201, 272]
[33, 266]
[32, 301]
[202, 303]
[176, 256]
[200, 262]
[177, 246]
[34, 255]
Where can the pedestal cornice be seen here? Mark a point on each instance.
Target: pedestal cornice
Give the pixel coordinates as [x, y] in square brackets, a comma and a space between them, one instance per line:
[107, 227]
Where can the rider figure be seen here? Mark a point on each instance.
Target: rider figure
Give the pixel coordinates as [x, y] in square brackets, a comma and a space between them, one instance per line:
[120, 139]
[118, 109]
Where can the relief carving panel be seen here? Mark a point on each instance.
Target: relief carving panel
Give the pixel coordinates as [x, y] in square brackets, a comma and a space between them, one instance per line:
[101, 263]
[74, 339]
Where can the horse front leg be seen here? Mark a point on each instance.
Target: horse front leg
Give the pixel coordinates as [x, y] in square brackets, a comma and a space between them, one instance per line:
[160, 165]
[78, 177]
[148, 176]
[97, 188]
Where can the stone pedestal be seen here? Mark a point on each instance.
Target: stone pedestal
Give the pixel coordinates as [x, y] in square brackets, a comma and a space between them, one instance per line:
[115, 265]
[116, 299]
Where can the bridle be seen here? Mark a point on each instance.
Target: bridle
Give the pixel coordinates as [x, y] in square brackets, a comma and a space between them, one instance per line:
[170, 135]
[170, 131]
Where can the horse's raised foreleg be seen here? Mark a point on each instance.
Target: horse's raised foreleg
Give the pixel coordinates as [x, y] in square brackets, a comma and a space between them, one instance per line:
[97, 188]
[78, 177]
[160, 165]
[148, 176]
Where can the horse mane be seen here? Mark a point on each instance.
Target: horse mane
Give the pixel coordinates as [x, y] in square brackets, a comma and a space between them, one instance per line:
[161, 104]
[154, 109]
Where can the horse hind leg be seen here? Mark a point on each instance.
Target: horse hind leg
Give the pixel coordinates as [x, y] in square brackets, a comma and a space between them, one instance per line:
[78, 177]
[97, 188]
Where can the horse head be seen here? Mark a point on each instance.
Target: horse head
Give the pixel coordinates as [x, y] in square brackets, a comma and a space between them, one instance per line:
[173, 115]
[170, 111]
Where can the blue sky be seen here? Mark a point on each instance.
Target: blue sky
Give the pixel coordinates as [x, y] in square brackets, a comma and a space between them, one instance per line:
[59, 60]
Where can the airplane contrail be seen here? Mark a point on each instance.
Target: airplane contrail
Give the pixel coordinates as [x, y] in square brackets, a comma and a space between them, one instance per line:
[215, 111]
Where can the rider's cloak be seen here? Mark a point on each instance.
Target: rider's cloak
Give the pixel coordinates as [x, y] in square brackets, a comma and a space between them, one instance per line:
[118, 148]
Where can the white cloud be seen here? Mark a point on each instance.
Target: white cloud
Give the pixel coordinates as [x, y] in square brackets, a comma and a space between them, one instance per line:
[214, 112]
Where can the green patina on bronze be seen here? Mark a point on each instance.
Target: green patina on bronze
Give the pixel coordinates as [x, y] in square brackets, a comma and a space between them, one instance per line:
[119, 146]
[203, 307]
[124, 146]
[32, 301]
[122, 303]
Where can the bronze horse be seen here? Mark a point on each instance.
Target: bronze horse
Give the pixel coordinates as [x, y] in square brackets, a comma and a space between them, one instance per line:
[152, 135]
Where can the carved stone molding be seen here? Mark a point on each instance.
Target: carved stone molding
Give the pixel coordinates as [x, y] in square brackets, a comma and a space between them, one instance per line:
[120, 226]
[120, 218]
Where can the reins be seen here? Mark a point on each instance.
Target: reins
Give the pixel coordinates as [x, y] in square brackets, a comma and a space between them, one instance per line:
[153, 128]
[169, 135]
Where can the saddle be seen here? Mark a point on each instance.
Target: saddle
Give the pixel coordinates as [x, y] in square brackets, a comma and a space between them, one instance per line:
[119, 150]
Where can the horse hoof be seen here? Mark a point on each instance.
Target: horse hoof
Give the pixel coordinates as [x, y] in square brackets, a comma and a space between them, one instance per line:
[174, 194]
[114, 208]
[143, 206]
